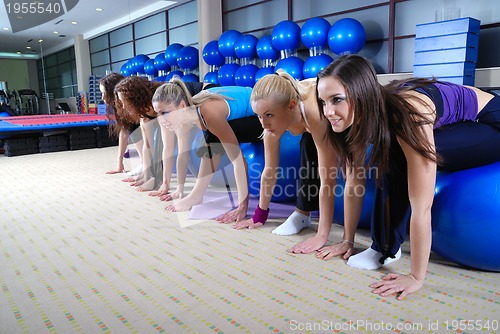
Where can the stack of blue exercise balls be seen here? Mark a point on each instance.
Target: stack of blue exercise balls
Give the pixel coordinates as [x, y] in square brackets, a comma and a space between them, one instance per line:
[244, 48]
[286, 39]
[227, 71]
[171, 53]
[187, 60]
[268, 54]
[314, 35]
[214, 59]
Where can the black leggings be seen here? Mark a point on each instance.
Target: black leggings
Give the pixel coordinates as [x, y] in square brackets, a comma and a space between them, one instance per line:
[309, 181]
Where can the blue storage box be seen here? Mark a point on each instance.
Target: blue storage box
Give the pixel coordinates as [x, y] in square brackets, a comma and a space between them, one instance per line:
[462, 25]
[452, 41]
[446, 56]
[444, 70]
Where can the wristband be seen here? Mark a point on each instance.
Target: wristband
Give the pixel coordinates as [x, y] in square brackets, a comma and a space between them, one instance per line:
[348, 242]
[260, 216]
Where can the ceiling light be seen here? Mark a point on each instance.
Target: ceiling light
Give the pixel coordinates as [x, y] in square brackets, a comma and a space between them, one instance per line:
[99, 9]
[40, 40]
[56, 32]
[18, 52]
[5, 29]
[28, 47]
[74, 22]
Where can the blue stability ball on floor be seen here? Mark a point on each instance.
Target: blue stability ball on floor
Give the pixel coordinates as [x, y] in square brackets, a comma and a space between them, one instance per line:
[466, 217]
[211, 54]
[263, 71]
[314, 64]
[346, 36]
[245, 75]
[265, 48]
[291, 65]
[286, 35]
[368, 201]
[187, 58]
[288, 174]
[211, 77]
[171, 53]
[226, 42]
[226, 74]
[314, 32]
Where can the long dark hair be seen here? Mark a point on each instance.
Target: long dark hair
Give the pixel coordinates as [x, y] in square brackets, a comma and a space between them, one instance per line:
[380, 114]
[116, 121]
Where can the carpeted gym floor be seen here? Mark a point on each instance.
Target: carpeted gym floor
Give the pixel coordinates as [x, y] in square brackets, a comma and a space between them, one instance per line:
[83, 252]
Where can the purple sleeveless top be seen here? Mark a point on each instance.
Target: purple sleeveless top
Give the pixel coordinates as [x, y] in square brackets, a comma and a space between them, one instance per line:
[459, 104]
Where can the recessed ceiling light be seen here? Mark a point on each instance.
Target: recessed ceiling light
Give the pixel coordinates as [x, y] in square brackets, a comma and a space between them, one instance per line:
[5, 29]
[18, 52]
[56, 32]
[74, 22]
[40, 40]
[28, 47]
[99, 9]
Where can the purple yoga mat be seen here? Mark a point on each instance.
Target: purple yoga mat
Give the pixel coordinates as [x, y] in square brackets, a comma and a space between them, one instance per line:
[217, 203]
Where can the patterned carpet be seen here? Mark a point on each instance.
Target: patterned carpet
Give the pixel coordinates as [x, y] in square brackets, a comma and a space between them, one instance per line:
[83, 252]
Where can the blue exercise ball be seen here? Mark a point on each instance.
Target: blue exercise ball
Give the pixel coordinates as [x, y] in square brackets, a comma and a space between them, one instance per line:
[149, 67]
[138, 63]
[346, 36]
[226, 42]
[291, 65]
[129, 66]
[314, 64]
[190, 77]
[160, 63]
[171, 53]
[286, 35]
[265, 48]
[226, 74]
[289, 167]
[187, 58]
[245, 75]
[263, 71]
[4, 114]
[124, 70]
[466, 216]
[211, 54]
[314, 32]
[368, 202]
[161, 78]
[211, 77]
[244, 47]
[172, 74]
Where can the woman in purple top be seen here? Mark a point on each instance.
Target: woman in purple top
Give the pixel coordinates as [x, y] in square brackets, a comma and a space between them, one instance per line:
[414, 127]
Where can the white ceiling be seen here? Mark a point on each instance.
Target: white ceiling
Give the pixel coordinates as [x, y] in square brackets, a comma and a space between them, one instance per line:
[89, 23]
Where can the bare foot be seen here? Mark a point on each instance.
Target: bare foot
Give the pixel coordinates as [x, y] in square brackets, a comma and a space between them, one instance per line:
[147, 186]
[132, 178]
[184, 204]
